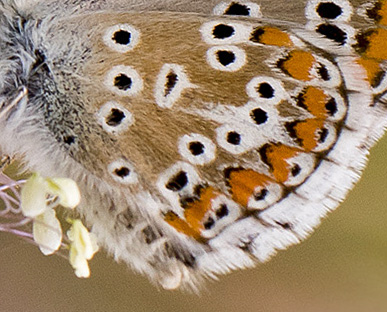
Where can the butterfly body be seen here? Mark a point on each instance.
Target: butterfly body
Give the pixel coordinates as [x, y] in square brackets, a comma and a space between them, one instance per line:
[201, 143]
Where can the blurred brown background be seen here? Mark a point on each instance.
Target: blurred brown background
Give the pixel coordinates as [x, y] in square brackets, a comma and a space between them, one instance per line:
[341, 267]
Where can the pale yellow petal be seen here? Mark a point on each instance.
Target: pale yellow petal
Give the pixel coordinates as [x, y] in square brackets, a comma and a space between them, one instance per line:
[81, 268]
[79, 262]
[82, 240]
[33, 196]
[67, 191]
[47, 232]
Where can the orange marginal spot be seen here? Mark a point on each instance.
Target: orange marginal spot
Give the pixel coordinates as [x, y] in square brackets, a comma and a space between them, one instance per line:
[379, 12]
[181, 225]
[276, 156]
[243, 182]
[298, 65]
[314, 100]
[306, 132]
[271, 36]
[373, 69]
[196, 210]
[373, 44]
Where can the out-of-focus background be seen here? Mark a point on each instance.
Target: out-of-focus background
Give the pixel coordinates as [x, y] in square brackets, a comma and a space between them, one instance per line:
[341, 267]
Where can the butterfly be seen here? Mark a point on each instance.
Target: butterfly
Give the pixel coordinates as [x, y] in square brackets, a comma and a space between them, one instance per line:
[204, 135]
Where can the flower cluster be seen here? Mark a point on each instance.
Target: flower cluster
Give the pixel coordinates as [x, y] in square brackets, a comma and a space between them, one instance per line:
[39, 196]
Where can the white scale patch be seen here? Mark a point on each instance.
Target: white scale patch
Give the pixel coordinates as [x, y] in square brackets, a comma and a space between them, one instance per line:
[262, 241]
[240, 121]
[355, 78]
[348, 155]
[270, 130]
[239, 138]
[304, 209]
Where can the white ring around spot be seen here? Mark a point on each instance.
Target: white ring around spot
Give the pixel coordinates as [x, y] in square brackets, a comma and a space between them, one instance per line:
[188, 190]
[255, 9]
[104, 112]
[202, 159]
[311, 7]
[182, 83]
[121, 163]
[122, 48]
[241, 33]
[249, 138]
[279, 90]
[306, 162]
[137, 83]
[238, 63]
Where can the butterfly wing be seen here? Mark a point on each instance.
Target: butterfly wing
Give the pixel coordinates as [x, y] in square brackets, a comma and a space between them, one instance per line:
[201, 143]
[293, 11]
